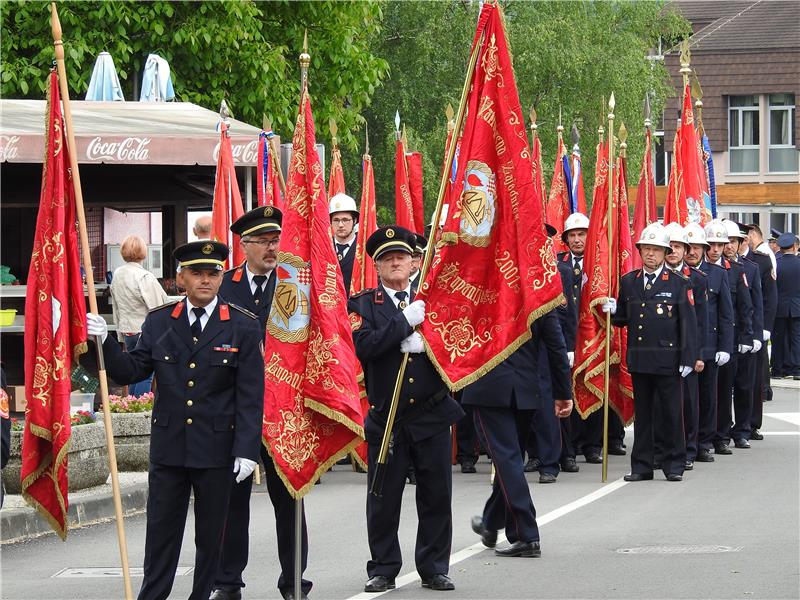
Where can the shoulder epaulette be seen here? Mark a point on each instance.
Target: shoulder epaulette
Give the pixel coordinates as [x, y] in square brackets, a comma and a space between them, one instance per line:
[170, 303]
[760, 253]
[698, 271]
[363, 292]
[681, 275]
[242, 310]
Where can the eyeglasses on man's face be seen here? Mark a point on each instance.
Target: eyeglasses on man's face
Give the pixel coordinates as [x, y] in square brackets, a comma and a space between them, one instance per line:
[341, 220]
[273, 243]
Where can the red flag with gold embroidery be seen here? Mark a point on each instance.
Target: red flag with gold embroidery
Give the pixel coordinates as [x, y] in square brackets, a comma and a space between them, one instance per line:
[227, 200]
[588, 373]
[558, 208]
[495, 270]
[403, 204]
[336, 179]
[538, 171]
[644, 211]
[364, 274]
[55, 329]
[414, 162]
[312, 411]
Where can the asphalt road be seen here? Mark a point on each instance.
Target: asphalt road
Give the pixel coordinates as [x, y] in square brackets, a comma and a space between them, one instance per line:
[731, 529]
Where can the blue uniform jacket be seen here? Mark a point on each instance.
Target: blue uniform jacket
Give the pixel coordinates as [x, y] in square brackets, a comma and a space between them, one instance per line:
[719, 310]
[236, 288]
[788, 286]
[769, 287]
[567, 312]
[699, 284]
[754, 281]
[742, 302]
[209, 395]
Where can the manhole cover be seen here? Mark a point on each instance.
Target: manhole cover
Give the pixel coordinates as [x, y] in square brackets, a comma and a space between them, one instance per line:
[111, 572]
[679, 549]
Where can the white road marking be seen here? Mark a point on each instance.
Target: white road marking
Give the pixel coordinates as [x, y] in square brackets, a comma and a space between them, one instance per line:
[469, 551]
[789, 417]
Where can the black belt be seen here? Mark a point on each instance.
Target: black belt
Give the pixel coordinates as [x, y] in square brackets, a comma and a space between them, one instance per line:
[420, 407]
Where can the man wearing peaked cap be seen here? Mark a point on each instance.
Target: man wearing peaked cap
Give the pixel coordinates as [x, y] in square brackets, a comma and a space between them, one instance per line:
[786, 343]
[206, 422]
[383, 321]
[657, 306]
[344, 218]
[252, 285]
[420, 245]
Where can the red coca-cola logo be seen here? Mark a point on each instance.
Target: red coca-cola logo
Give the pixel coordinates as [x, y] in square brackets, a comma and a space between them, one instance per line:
[242, 153]
[8, 147]
[130, 149]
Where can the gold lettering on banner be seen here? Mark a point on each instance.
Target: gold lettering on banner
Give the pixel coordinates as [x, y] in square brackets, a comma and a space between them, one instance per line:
[491, 64]
[280, 374]
[486, 112]
[330, 297]
[508, 269]
[510, 184]
[455, 284]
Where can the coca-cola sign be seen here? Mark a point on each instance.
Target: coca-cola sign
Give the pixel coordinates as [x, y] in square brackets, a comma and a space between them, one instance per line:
[8, 147]
[242, 153]
[130, 149]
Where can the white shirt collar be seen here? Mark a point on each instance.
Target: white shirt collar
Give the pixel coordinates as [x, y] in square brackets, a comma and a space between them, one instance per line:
[209, 308]
[250, 276]
[657, 272]
[392, 293]
[348, 243]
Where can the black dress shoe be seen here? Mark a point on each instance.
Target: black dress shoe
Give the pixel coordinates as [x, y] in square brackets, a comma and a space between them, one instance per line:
[674, 477]
[411, 477]
[439, 582]
[656, 465]
[594, 458]
[616, 450]
[532, 465]
[379, 583]
[226, 595]
[688, 465]
[756, 435]
[547, 478]
[704, 456]
[289, 595]
[569, 465]
[722, 449]
[523, 549]
[742, 443]
[488, 538]
[638, 477]
[467, 466]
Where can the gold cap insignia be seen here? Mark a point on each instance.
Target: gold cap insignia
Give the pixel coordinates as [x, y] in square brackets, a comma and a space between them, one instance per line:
[207, 249]
[268, 211]
[390, 233]
[337, 205]
[652, 236]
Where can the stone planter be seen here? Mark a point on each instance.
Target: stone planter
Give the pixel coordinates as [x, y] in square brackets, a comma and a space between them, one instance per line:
[87, 459]
[131, 439]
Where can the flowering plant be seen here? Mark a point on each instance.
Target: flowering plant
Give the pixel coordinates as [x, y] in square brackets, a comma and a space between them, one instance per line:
[131, 404]
[17, 425]
[82, 417]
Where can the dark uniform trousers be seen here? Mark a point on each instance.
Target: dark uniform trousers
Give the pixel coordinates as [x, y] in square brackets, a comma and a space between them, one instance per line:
[236, 544]
[544, 439]
[742, 301]
[207, 410]
[420, 438]
[503, 402]
[661, 338]
[786, 337]
[467, 444]
[720, 338]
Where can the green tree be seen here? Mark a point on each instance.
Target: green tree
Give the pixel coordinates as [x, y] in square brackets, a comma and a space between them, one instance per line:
[243, 51]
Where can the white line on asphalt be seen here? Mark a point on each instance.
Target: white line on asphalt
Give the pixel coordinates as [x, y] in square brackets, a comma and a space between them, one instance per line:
[781, 432]
[478, 548]
[789, 417]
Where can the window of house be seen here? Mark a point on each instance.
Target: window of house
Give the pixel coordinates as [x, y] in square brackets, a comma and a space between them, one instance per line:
[782, 146]
[743, 134]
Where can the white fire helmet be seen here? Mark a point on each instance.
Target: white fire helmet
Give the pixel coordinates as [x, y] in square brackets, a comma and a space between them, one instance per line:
[343, 203]
[695, 234]
[575, 221]
[733, 229]
[677, 233]
[716, 232]
[655, 234]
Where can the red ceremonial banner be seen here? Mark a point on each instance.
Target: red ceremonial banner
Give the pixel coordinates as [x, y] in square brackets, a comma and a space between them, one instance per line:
[644, 212]
[495, 272]
[588, 374]
[227, 201]
[558, 203]
[312, 411]
[268, 185]
[414, 162]
[55, 329]
[336, 179]
[403, 204]
[364, 274]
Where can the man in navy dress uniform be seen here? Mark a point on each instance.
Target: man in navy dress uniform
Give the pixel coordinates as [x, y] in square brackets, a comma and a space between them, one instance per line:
[656, 305]
[717, 348]
[252, 285]
[786, 343]
[206, 423]
[383, 321]
[344, 218]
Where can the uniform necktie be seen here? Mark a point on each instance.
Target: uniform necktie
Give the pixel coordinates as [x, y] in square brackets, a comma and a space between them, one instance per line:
[650, 277]
[259, 281]
[577, 266]
[401, 297]
[341, 250]
[197, 327]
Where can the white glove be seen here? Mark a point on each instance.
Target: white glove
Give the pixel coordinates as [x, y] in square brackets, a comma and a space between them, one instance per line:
[722, 358]
[415, 313]
[244, 467]
[413, 344]
[756, 346]
[571, 358]
[767, 335]
[96, 325]
[684, 371]
[610, 306]
[744, 348]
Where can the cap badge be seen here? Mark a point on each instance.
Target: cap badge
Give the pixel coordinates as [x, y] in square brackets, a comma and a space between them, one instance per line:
[267, 211]
[207, 249]
[390, 233]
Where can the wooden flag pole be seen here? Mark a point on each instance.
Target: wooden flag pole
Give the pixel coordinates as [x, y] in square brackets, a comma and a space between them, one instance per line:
[610, 232]
[87, 266]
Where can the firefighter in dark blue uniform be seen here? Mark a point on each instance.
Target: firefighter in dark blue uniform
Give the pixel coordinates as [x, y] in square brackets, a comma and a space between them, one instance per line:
[252, 285]
[206, 422]
[717, 348]
[786, 345]
[679, 242]
[344, 217]
[656, 305]
[742, 304]
[383, 321]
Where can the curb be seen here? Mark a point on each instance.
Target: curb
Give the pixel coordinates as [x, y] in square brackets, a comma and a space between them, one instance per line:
[22, 524]
[785, 384]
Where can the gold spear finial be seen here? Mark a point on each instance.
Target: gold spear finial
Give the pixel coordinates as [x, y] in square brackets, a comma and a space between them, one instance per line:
[333, 129]
[366, 139]
[623, 137]
[266, 123]
[451, 115]
[686, 59]
[647, 121]
[534, 126]
[305, 61]
[560, 128]
[601, 130]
